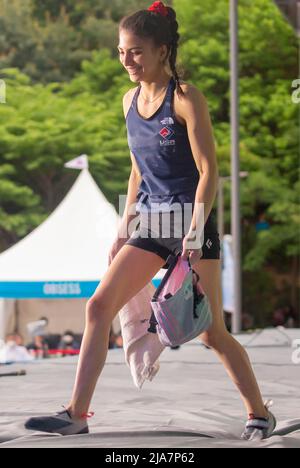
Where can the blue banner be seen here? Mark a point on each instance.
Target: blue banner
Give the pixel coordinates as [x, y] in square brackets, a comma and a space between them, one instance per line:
[51, 289]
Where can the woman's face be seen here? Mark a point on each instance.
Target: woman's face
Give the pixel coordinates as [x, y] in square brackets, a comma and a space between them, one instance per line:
[141, 59]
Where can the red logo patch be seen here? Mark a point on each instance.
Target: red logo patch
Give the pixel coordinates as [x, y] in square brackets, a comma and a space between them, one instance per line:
[166, 132]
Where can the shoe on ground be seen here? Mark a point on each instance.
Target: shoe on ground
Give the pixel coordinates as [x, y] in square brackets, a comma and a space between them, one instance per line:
[260, 428]
[59, 423]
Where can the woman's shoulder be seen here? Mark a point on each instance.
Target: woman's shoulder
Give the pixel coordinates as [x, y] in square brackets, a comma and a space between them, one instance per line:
[191, 100]
[189, 89]
[127, 99]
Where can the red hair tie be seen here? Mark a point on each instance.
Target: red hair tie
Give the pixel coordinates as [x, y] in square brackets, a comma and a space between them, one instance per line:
[159, 7]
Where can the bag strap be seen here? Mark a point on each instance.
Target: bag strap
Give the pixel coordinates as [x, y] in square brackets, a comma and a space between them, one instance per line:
[172, 261]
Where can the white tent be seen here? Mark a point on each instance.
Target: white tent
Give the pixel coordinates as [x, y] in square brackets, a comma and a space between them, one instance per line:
[67, 255]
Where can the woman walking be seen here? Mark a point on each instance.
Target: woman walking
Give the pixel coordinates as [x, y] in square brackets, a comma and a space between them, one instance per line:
[174, 173]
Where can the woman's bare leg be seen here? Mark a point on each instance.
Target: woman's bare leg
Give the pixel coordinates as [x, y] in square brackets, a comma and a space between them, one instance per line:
[227, 348]
[130, 271]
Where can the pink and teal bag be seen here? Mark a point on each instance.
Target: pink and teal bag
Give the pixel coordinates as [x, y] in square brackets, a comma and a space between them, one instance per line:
[180, 309]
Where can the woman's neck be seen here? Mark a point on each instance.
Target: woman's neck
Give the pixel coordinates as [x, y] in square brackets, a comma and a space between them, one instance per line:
[154, 86]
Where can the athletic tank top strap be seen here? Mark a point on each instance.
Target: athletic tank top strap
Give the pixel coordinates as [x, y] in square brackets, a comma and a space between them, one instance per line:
[134, 100]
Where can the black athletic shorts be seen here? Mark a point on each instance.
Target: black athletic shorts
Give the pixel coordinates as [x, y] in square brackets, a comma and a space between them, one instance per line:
[150, 236]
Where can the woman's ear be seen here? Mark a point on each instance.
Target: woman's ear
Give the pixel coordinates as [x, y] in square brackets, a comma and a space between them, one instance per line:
[164, 54]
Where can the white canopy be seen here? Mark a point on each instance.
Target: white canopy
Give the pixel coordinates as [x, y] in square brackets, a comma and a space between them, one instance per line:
[71, 244]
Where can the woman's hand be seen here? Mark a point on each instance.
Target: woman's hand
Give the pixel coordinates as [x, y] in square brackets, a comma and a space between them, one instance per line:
[189, 250]
[117, 245]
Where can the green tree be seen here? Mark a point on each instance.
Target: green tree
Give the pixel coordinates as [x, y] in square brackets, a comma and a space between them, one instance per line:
[43, 126]
[48, 40]
[269, 123]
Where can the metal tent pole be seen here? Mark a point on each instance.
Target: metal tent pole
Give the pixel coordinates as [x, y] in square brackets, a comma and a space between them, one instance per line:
[235, 169]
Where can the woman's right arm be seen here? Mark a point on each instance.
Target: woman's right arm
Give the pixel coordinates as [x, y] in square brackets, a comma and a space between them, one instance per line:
[134, 178]
[134, 182]
[133, 187]
[128, 215]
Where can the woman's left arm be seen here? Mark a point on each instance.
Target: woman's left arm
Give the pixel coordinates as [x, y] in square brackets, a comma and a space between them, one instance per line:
[196, 114]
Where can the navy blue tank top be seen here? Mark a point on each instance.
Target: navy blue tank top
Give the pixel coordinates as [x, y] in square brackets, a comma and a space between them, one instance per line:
[163, 154]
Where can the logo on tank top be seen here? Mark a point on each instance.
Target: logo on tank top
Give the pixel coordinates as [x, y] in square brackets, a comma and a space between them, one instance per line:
[167, 133]
[167, 121]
